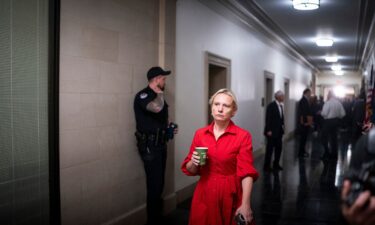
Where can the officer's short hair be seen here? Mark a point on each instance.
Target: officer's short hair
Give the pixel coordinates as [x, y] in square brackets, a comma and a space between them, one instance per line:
[227, 92]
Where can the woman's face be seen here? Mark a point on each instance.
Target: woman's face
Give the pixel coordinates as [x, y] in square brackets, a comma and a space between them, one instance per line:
[222, 108]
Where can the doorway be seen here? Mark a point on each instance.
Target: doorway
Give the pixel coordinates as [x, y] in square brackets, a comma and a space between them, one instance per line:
[218, 77]
[286, 103]
[268, 88]
[268, 94]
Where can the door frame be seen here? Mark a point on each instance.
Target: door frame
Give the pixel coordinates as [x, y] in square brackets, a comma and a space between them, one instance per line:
[286, 103]
[53, 110]
[271, 76]
[217, 60]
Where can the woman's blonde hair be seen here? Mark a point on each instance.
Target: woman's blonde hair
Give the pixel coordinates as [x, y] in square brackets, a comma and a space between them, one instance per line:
[227, 92]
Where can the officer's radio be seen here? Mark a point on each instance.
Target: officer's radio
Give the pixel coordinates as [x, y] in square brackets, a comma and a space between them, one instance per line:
[170, 130]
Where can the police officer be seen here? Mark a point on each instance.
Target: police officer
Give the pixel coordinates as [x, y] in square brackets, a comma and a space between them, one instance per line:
[151, 114]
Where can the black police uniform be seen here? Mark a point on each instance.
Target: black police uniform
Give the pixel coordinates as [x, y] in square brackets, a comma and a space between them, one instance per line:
[151, 143]
[304, 111]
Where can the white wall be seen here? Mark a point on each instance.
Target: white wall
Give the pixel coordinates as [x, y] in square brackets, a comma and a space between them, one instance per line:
[328, 79]
[200, 29]
[107, 48]
[349, 78]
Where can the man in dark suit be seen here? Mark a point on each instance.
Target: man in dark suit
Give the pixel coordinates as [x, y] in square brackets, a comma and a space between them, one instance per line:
[274, 131]
[304, 121]
[358, 118]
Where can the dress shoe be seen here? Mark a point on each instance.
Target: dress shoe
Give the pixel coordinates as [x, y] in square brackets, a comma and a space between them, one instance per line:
[324, 157]
[277, 167]
[304, 155]
[267, 169]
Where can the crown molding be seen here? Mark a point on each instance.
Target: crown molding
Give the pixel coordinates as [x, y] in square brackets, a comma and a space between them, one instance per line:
[255, 19]
[366, 23]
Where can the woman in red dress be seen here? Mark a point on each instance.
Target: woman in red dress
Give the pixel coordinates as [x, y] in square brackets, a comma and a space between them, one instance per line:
[225, 184]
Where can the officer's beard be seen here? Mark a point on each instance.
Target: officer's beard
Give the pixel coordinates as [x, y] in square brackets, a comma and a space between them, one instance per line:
[160, 87]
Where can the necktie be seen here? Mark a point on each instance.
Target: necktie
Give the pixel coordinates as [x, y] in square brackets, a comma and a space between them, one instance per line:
[282, 117]
[282, 112]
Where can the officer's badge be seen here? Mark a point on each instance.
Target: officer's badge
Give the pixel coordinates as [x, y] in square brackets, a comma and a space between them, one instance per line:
[143, 95]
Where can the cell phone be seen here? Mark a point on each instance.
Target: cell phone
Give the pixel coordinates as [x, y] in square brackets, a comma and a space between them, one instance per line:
[240, 220]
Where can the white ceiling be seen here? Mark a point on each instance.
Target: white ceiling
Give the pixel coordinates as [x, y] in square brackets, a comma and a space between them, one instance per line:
[347, 22]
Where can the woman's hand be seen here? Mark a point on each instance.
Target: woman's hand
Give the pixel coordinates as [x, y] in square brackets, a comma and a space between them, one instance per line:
[195, 158]
[193, 165]
[246, 211]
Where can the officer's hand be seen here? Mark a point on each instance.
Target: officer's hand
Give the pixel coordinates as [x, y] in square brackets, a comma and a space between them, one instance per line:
[269, 133]
[175, 131]
[195, 158]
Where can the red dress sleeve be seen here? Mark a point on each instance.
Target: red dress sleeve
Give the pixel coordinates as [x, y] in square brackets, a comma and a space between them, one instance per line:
[245, 165]
[188, 157]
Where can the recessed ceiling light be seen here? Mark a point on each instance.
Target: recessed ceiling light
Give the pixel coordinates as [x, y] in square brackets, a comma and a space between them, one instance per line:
[336, 67]
[331, 59]
[324, 42]
[339, 72]
[306, 4]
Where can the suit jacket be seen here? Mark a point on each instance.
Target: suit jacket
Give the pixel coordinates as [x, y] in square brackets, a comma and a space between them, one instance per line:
[304, 111]
[359, 111]
[359, 114]
[274, 121]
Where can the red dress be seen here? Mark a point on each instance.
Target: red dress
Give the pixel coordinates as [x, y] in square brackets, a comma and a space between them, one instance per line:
[218, 193]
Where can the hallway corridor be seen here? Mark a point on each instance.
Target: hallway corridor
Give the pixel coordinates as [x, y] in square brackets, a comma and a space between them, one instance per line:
[306, 192]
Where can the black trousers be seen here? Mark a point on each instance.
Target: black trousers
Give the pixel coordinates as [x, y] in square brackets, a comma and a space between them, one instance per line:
[273, 143]
[154, 160]
[304, 132]
[329, 137]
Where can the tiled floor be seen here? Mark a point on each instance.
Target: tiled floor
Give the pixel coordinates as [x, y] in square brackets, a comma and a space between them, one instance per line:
[306, 192]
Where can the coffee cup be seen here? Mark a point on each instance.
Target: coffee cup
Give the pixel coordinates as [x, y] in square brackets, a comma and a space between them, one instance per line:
[202, 151]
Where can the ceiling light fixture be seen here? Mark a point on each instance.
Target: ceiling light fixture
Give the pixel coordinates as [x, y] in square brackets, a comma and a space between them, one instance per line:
[336, 67]
[306, 4]
[339, 72]
[331, 59]
[324, 42]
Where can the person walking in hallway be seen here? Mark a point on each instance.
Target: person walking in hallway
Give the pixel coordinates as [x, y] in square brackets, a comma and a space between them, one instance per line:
[359, 114]
[151, 114]
[226, 180]
[274, 131]
[304, 121]
[332, 112]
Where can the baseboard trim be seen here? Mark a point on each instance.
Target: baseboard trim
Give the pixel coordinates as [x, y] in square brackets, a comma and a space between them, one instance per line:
[185, 193]
[136, 216]
[288, 136]
[169, 203]
[259, 152]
